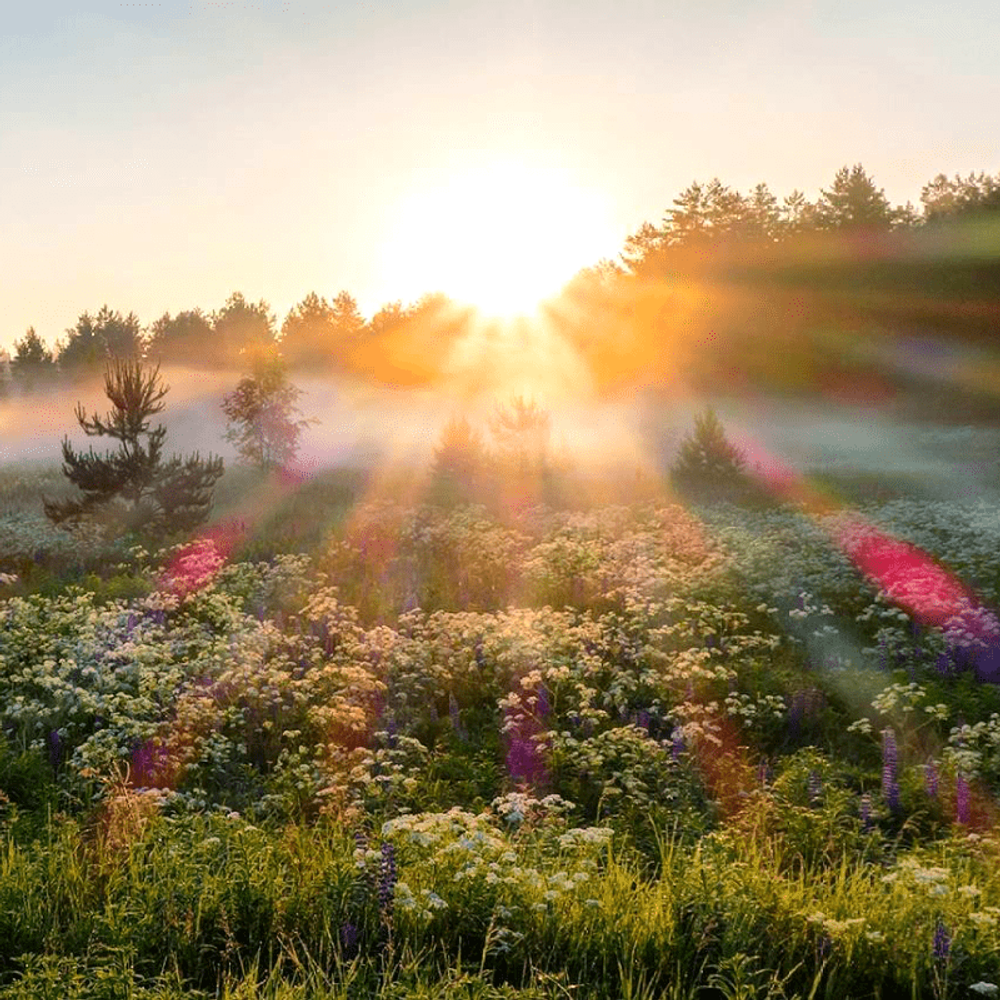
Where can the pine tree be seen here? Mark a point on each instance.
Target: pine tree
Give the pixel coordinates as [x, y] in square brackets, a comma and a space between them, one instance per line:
[706, 458]
[33, 366]
[240, 328]
[459, 464]
[134, 488]
[521, 432]
[854, 202]
[185, 339]
[95, 339]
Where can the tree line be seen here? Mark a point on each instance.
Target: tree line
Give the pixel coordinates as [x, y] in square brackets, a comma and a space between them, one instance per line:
[709, 214]
[850, 247]
[317, 335]
[850, 257]
[741, 290]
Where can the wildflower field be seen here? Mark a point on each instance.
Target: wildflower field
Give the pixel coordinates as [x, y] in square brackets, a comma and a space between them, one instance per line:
[630, 751]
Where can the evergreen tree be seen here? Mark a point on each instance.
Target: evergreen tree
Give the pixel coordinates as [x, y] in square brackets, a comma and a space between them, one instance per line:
[95, 339]
[706, 458]
[33, 366]
[320, 333]
[459, 465]
[349, 327]
[854, 202]
[241, 328]
[521, 432]
[184, 339]
[944, 197]
[797, 215]
[761, 216]
[389, 317]
[134, 488]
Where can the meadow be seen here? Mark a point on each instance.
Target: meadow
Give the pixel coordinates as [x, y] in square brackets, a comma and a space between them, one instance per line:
[365, 745]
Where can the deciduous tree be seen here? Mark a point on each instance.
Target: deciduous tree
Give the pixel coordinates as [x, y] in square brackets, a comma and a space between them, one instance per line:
[262, 414]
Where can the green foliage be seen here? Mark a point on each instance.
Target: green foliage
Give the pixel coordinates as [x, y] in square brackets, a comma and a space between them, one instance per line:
[134, 488]
[97, 339]
[322, 334]
[706, 460]
[261, 412]
[967, 197]
[854, 202]
[269, 791]
[460, 466]
[239, 328]
[297, 517]
[33, 365]
[185, 339]
[521, 431]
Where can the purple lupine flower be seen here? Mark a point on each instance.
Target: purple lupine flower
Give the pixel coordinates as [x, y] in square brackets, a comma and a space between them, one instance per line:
[931, 779]
[794, 719]
[525, 760]
[387, 878]
[676, 744]
[866, 812]
[642, 719]
[55, 747]
[890, 767]
[988, 663]
[883, 652]
[349, 939]
[815, 785]
[824, 946]
[962, 799]
[456, 718]
[941, 949]
[765, 773]
[366, 871]
[543, 706]
[806, 704]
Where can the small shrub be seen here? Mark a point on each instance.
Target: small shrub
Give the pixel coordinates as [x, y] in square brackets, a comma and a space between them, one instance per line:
[706, 457]
[708, 466]
[459, 468]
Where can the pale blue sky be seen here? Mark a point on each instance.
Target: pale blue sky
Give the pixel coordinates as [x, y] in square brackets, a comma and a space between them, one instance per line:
[157, 156]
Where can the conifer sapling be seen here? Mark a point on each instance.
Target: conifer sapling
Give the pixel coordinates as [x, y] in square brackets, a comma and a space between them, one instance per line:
[134, 488]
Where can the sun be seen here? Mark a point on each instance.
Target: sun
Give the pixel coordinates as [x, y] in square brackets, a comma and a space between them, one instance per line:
[502, 238]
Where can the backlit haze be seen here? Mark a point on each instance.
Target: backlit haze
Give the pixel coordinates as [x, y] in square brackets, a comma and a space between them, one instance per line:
[158, 156]
[464, 301]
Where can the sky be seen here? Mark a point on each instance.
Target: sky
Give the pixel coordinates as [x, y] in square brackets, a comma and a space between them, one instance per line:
[159, 156]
